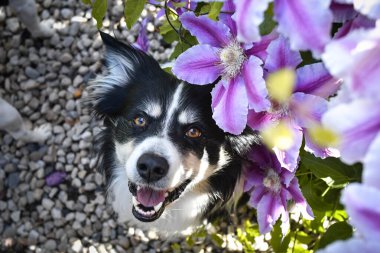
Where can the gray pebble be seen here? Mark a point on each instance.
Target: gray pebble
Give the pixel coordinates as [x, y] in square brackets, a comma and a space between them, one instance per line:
[66, 58]
[66, 13]
[13, 180]
[50, 245]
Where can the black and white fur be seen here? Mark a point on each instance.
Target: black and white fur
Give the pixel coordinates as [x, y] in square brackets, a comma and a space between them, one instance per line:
[203, 174]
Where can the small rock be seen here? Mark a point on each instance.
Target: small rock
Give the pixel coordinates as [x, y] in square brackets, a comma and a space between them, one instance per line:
[16, 216]
[50, 245]
[13, 24]
[66, 58]
[29, 84]
[77, 246]
[13, 180]
[66, 13]
[47, 203]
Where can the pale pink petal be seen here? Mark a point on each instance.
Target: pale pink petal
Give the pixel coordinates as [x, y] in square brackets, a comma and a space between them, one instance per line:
[230, 105]
[307, 109]
[371, 172]
[259, 48]
[248, 16]
[357, 123]
[206, 30]
[318, 151]
[306, 23]
[370, 8]
[362, 205]
[352, 245]
[198, 65]
[257, 92]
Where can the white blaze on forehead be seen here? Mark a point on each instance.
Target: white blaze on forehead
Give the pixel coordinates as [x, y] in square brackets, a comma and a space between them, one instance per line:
[153, 109]
[173, 106]
[187, 117]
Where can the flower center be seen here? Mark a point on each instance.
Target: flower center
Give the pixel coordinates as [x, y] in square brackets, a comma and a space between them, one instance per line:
[232, 58]
[281, 110]
[272, 181]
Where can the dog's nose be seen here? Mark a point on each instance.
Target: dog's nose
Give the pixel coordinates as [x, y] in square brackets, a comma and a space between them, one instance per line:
[152, 167]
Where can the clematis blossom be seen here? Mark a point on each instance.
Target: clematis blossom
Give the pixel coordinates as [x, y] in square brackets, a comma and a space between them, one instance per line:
[300, 109]
[219, 54]
[271, 187]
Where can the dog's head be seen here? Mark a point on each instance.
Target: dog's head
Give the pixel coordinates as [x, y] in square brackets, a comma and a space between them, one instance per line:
[166, 162]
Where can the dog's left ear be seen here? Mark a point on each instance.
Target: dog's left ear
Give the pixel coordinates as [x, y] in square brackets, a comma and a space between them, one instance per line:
[125, 64]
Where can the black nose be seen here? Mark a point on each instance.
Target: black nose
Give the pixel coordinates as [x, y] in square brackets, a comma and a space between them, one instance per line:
[152, 167]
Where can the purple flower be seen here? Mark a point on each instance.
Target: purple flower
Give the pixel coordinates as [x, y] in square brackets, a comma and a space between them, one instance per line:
[271, 187]
[364, 212]
[142, 39]
[353, 245]
[219, 54]
[355, 59]
[304, 107]
[55, 178]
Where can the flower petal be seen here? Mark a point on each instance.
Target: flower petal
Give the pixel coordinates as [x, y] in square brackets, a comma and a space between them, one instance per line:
[206, 30]
[352, 245]
[368, 8]
[230, 105]
[360, 22]
[248, 16]
[225, 16]
[256, 195]
[357, 123]
[364, 211]
[198, 65]
[296, 194]
[281, 56]
[318, 151]
[289, 158]
[371, 172]
[258, 120]
[342, 12]
[306, 23]
[269, 210]
[257, 92]
[259, 48]
[316, 80]
[307, 109]
[253, 177]
[264, 158]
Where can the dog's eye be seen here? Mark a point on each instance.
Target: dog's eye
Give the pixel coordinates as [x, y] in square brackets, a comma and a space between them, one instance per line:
[139, 121]
[193, 133]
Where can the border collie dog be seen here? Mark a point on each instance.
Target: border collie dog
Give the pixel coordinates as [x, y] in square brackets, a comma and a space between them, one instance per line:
[167, 164]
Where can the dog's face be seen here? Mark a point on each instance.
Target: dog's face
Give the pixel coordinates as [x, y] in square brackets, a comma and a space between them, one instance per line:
[164, 157]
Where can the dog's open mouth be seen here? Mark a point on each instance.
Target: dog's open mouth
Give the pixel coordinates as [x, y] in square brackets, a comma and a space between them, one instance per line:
[149, 204]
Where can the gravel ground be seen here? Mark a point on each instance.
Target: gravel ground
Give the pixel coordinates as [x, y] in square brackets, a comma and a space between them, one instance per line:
[45, 81]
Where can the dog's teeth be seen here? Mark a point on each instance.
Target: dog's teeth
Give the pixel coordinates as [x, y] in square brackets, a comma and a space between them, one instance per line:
[157, 207]
[134, 201]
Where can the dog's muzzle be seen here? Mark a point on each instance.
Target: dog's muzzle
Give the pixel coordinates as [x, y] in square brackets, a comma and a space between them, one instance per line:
[149, 204]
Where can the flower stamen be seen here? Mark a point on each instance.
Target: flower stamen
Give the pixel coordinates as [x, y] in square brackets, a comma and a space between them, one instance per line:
[232, 58]
[272, 181]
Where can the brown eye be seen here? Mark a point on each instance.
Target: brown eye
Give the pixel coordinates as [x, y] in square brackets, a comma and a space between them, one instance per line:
[193, 133]
[139, 121]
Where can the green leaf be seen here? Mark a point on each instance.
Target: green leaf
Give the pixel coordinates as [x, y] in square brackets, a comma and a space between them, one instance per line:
[278, 242]
[99, 11]
[215, 8]
[132, 11]
[247, 244]
[89, 2]
[314, 199]
[166, 27]
[217, 239]
[337, 231]
[182, 46]
[331, 170]
[176, 248]
[268, 24]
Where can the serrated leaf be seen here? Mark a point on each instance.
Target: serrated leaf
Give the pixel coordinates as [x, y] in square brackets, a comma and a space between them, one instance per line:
[331, 170]
[277, 241]
[99, 10]
[89, 2]
[215, 8]
[132, 11]
[315, 201]
[337, 231]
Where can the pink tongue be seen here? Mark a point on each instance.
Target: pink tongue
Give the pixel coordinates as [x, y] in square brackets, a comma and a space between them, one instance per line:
[149, 197]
